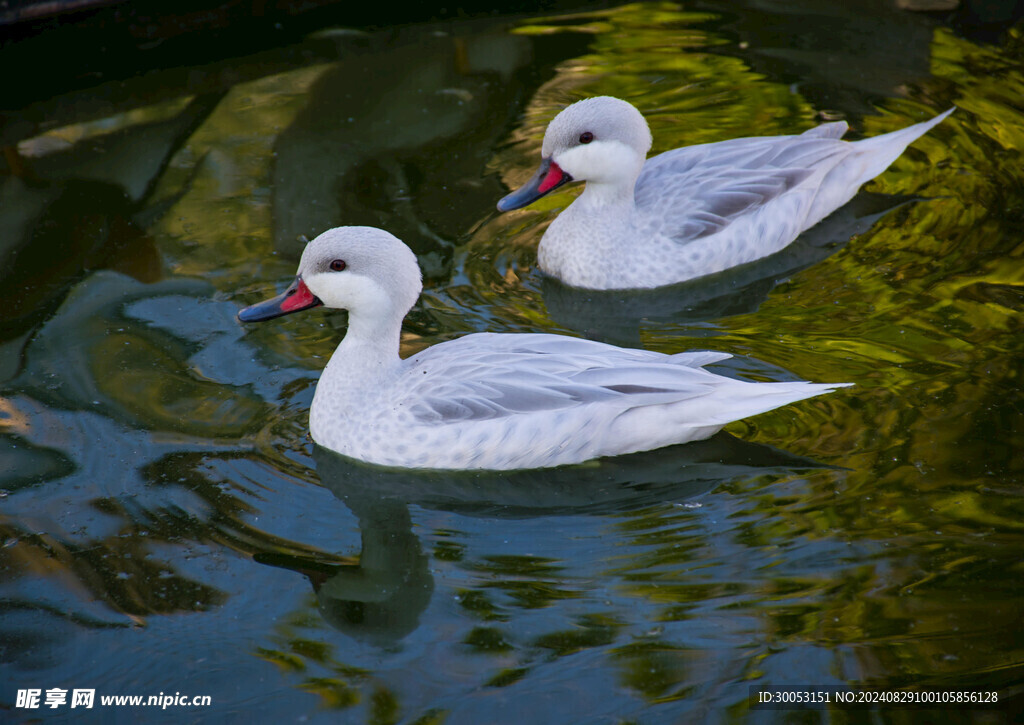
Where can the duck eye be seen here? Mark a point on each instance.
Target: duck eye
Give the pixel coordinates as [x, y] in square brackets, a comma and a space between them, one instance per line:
[586, 137]
[338, 265]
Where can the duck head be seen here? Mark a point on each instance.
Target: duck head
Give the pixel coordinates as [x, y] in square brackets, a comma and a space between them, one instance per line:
[364, 270]
[602, 140]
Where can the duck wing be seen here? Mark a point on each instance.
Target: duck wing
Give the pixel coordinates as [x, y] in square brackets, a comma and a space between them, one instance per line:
[491, 376]
[696, 191]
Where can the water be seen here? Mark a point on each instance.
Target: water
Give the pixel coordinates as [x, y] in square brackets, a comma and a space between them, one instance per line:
[167, 526]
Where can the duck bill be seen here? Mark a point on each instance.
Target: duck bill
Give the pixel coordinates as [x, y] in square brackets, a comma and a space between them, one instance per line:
[548, 178]
[295, 298]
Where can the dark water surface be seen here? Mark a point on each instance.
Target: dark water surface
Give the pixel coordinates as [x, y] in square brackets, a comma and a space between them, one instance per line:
[166, 525]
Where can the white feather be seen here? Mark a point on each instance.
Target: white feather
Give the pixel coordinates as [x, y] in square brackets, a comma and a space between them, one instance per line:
[498, 401]
[696, 210]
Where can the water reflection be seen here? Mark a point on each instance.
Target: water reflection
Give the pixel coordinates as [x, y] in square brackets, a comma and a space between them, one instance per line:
[619, 317]
[380, 598]
[155, 474]
[371, 159]
[126, 363]
[83, 203]
[837, 56]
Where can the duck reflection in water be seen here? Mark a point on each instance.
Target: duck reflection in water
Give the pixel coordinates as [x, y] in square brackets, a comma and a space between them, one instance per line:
[619, 317]
[396, 130]
[379, 596]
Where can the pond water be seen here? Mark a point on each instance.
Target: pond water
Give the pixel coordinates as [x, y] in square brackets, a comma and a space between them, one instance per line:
[167, 525]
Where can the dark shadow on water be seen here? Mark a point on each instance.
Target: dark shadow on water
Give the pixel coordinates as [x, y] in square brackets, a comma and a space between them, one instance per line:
[398, 133]
[618, 316]
[837, 54]
[380, 598]
[602, 487]
[84, 208]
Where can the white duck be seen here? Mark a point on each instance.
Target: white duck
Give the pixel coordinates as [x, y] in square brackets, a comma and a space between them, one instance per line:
[491, 401]
[691, 211]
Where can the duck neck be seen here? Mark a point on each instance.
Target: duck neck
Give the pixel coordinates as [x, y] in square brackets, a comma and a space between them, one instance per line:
[366, 356]
[615, 197]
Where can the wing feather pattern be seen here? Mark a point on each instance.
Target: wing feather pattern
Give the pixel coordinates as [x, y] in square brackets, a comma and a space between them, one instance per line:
[487, 377]
[697, 191]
